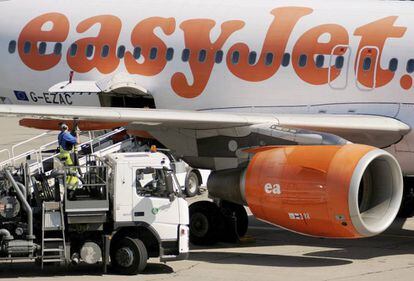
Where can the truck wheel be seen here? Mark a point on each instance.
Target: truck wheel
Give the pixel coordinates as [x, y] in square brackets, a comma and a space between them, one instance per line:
[129, 256]
[192, 185]
[238, 228]
[205, 223]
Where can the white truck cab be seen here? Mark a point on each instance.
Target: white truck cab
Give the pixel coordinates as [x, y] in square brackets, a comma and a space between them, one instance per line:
[146, 192]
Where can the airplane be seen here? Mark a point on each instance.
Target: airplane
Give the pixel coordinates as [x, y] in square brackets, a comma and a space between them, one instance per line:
[301, 109]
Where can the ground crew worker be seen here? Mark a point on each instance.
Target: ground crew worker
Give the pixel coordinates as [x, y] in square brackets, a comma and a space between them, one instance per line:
[67, 145]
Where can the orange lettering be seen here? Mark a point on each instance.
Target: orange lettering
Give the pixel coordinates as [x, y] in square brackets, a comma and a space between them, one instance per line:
[309, 45]
[275, 43]
[143, 36]
[197, 38]
[375, 34]
[52, 27]
[110, 28]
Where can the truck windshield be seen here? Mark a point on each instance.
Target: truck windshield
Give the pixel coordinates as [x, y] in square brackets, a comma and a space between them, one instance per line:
[152, 182]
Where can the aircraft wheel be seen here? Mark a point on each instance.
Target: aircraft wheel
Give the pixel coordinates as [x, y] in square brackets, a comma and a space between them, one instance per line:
[192, 185]
[237, 220]
[205, 223]
[129, 256]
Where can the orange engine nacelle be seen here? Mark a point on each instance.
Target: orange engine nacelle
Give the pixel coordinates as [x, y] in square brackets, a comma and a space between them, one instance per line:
[348, 191]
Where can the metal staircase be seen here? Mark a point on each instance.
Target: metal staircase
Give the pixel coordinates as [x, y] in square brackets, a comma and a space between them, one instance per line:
[53, 234]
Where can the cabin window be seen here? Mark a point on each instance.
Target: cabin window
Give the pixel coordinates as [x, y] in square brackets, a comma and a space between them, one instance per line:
[235, 57]
[252, 58]
[170, 54]
[286, 59]
[27, 47]
[219, 56]
[410, 66]
[319, 61]
[186, 55]
[73, 50]
[393, 65]
[121, 52]
[153, 53]
[269, 59]
[12, 47]
[105, 51]
[58, 49]
[89, 50]
[339, 62]
[202, 55]
[137, 52]
[42, 48]
[367, 64]
[303, 59]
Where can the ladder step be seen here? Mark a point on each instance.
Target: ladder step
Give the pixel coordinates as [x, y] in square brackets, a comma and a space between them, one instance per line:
[53, 228]
[52, 260]
[53, 239]
[52, 250]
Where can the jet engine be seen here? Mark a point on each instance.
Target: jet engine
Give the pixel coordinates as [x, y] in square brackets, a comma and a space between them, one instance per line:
[348, 191]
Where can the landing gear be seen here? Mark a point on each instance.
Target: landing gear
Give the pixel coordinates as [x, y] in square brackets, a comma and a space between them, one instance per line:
[129, 256]
[237, 221]
[211, 223]
[407, 204]
[206, 221]
[192, 185]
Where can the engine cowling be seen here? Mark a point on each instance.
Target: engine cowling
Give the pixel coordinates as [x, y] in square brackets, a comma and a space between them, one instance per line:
[348, 191]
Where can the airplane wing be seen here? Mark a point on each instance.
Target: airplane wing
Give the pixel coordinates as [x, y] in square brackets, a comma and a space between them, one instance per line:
[193, 133]
[346, 126]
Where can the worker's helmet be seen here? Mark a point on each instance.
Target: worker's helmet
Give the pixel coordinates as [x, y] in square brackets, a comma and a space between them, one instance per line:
[63, 126]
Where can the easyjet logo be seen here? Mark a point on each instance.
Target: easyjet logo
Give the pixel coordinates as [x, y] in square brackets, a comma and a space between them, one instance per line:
[203, 52]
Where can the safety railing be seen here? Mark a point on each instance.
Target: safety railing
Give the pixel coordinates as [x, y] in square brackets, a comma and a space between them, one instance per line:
[38, 155]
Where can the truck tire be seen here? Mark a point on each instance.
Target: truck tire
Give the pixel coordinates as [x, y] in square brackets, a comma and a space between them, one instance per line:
[129, 256]
[206, 221]
[238, 212]
[192, 185]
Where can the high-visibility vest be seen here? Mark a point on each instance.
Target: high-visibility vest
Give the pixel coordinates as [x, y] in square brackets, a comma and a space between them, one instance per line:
[72, 181]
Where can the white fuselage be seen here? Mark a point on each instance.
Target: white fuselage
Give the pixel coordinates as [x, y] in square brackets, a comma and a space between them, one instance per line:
[354, 30]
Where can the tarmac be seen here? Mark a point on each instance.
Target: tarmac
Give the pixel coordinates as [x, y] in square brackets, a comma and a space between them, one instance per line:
[268, 253]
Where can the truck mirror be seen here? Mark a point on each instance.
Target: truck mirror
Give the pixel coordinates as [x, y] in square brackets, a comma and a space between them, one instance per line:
[170, 184]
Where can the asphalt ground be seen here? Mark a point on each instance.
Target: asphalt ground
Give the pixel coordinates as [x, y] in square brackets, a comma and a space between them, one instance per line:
[269, 253]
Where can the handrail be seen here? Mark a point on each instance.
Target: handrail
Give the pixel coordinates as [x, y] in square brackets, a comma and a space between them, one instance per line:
[8, 152]
[27, 141]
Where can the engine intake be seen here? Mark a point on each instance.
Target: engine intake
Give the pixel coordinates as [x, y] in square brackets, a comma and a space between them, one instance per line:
[347, 191]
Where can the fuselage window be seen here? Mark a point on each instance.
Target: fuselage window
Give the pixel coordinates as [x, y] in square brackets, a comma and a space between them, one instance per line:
[42, 48]
[170, 54]
[105, 51]
[202, 56]
[73, 50]
[286, 59]
[339, 62]
[252, 58]
[219, 56]
[367, 64]
[153, 53]
[303, 59]
[393, 65]
[269, 59]
[137, 53]
[27, 46]
[235, 57]
[186, 55]
[410, 66]
[121, 52]
[319, 61]
[12, 47]
[58, 49]
[89, 50]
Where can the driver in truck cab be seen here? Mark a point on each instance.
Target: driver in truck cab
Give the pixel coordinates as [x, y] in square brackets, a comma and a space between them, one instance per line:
[67, 143]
